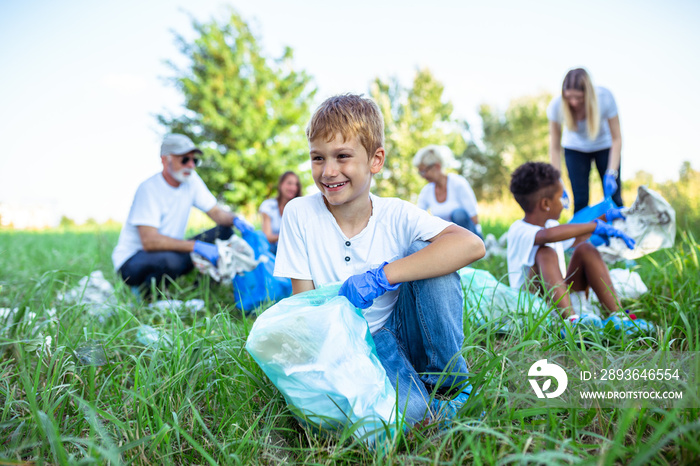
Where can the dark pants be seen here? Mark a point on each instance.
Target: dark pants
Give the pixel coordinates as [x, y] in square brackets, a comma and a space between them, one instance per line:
[578, 164]
[145, 266]
[461, 217]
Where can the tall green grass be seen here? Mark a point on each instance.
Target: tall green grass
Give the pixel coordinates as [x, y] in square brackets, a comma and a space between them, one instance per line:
[197, 397]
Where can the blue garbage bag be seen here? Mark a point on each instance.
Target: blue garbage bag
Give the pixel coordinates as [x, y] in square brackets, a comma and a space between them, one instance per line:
[316, 348]
[592, 212]
[251, 289]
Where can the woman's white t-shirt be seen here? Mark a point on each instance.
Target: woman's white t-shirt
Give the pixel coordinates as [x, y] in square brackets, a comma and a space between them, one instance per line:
[578, 140]
[272, 209]
[460, 195]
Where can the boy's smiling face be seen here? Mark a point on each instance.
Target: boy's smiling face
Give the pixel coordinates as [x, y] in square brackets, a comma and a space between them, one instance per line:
[342, 169]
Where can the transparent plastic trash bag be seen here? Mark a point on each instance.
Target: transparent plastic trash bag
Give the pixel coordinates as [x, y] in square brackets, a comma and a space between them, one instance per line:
[317, 350]
[503, 308]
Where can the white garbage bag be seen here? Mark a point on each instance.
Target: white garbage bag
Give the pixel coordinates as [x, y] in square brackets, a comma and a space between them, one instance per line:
[651, 222]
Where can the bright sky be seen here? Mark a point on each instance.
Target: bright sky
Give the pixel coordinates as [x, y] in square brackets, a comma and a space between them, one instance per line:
[82, 80]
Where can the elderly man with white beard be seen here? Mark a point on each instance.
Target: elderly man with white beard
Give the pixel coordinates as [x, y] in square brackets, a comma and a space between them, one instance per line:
[151, 244]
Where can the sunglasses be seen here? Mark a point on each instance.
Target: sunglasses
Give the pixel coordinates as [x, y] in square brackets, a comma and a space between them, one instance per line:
[185, 159]
[425, 170]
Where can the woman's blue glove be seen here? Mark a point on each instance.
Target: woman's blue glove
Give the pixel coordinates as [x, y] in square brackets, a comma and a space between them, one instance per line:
[565, 203]
[362, 289]
[606, 231]
[614, 213]
[242, 225]
[207, 250]
[609, 184]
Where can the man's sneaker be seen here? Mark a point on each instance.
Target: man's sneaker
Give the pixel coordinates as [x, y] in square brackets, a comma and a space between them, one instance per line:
[630, 324]
[585, 322]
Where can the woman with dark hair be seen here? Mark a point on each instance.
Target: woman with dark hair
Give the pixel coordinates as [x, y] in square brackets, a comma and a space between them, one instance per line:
[584, 121]
[288, 187]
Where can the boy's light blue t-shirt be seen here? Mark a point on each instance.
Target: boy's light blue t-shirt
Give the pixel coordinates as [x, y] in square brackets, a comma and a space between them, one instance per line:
[578, 140]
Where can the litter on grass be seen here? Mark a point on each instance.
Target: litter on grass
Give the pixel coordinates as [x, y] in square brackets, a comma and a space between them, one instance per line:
[235, 256]
[91, 353]
[495, 247]
[95, 293]
[149, 336]
[175, 305]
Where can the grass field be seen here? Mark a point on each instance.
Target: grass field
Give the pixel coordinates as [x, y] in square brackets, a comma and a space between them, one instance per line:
[197, 397]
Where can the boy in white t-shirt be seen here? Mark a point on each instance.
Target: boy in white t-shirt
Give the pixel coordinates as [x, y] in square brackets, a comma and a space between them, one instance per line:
[397, 262]
[536, 243]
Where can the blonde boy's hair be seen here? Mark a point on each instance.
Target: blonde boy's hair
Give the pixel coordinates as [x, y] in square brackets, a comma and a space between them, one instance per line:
[579, 80]
[350, 115]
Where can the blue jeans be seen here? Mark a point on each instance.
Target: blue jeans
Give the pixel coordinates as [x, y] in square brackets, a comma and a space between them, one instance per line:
[145, 266]
[461, 217]
[578, 164]
[420, 345]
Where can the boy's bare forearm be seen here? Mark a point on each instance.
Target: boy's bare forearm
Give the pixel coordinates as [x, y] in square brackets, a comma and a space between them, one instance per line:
[580, 231]
[448, 252]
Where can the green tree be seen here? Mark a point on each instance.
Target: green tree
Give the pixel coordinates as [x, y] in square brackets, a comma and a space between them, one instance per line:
[414, 117]
[247, 111]
[510, 138]
[483, 164]
[66, 222]
[684, 197]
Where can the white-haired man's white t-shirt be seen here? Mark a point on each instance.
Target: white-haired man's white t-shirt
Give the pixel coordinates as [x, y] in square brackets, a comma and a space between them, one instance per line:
[522, 249]
[313, 247]
[460, 195]
[159, 205]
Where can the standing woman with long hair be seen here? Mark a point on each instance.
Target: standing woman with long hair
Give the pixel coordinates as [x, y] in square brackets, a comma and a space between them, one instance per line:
[584, 121]
[288, 187]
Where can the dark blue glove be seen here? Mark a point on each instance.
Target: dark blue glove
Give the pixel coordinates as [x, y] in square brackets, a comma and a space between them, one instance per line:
[242, 225]
[362, 289]
[614, 213]
[609, 184]
[207, 250]
[606, 231]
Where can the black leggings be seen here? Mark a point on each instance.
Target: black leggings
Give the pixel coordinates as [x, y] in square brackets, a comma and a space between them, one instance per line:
[578, 164]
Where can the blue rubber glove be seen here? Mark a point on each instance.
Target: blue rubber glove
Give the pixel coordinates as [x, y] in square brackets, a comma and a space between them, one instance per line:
[609, 184]
[242, 225]
[565, 202]
[614, 213]
[362, 289]
[606, 231]
[207, 250]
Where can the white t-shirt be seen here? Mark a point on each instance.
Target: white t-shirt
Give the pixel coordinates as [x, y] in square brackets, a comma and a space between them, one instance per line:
[313, 247]
[522, 249]
[578, 140]
[272, 209]
[159, 205]
[459, 195]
